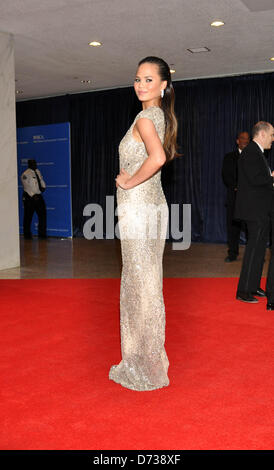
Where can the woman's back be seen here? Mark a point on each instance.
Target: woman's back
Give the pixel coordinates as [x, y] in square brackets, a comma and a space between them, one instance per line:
[133, 153]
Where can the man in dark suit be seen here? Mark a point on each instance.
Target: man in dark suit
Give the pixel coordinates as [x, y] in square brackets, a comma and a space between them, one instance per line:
[230, 179]
[253, 205]
[270, 274]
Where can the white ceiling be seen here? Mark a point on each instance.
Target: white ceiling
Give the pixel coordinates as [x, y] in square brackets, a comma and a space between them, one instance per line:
[51, 40]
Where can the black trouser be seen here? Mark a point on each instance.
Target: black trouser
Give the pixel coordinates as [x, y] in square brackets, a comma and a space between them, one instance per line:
[233, 226]
[270, 274]
[33, 204]
[252, 267]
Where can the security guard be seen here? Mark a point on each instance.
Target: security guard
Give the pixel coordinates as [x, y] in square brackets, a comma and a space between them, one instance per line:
[230, 179]
[34, 185]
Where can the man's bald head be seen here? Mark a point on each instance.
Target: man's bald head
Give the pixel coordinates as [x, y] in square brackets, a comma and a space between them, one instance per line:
[263, 133]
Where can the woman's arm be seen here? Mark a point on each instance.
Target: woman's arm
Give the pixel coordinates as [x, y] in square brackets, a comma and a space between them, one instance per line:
[155, 160]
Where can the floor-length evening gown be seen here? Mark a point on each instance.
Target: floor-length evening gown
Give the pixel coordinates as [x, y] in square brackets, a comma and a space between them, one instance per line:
[142, 214]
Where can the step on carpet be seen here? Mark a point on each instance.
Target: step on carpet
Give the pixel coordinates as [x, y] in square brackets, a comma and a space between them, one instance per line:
[60, 337]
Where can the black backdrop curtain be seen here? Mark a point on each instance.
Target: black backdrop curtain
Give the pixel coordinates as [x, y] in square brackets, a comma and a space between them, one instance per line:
[210, 114]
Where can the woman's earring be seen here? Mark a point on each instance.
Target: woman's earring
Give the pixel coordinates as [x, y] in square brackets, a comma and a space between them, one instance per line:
[162, 93]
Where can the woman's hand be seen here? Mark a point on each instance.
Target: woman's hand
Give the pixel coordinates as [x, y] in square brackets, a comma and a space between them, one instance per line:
[122, 180]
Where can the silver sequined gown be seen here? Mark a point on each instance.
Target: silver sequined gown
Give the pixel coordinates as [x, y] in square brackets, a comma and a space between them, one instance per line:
[142, 213]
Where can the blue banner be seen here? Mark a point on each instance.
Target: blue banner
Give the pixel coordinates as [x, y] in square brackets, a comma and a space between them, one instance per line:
[50, 147]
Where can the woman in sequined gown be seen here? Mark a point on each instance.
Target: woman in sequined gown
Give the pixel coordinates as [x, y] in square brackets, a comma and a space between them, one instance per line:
[143, 214]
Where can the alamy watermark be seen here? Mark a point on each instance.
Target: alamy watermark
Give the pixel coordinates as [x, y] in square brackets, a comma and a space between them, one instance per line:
[138, 221]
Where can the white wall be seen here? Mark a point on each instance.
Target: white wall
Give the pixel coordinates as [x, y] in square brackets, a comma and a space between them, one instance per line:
[9, 225]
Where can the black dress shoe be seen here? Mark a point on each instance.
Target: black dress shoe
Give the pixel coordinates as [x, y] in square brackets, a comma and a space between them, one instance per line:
[229, 260]
[246, 298]
[269, 306]
[259, 293]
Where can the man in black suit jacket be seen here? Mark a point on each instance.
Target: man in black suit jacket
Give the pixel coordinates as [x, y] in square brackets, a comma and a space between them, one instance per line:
[230, 179]
[253, 204]
[270, 274]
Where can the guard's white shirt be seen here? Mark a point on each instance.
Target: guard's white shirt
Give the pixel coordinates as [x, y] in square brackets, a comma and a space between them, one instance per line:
[30, 182]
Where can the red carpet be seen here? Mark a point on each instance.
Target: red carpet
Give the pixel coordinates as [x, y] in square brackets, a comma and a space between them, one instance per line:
[59, 338]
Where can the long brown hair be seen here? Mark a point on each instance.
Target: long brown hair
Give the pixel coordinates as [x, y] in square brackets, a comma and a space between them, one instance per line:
[167, 105]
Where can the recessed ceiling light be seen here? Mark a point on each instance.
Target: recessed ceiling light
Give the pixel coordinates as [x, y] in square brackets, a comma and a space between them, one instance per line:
[217, 23]
[18, 92]
[95, 44]
[85, 81]
[172, 70]
[271, 58]
[195, 50]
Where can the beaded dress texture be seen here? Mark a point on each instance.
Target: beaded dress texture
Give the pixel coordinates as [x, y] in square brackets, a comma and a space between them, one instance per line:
[142, 215]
